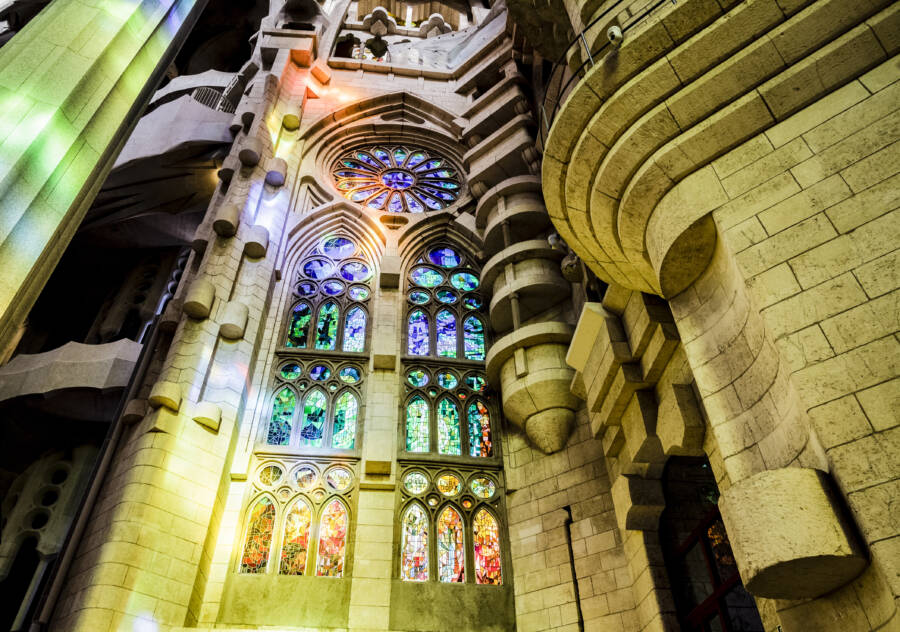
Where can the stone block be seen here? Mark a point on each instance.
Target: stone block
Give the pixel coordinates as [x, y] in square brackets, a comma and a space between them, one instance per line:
[276, 171]
[208, 414]
[790, 535]
[639, 425]
[256, 242]
[389, 275]
[233, 320]
[881, 404]
[135, 410]
[681, 428]
[199, 299]
[162, 420]
[251, 151]
[166, 394]
[639, 503]
[227, 218]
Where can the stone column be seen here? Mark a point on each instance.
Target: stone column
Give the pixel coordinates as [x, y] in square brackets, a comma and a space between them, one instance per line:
[72, 83]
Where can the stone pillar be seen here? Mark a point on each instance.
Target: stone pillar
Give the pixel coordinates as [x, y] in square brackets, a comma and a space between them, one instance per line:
[72, 83]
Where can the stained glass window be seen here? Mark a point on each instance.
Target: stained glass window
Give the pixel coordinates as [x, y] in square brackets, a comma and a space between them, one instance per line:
[397, 179]
[339, 478]
[473, 331]
[298, 333]
[260, 524]
[332, 540]
[480, 443]
[296, 539]
[486, 536]
[417, 334]
[445, 327]
[449, 441]
[415, 482]
[451, 552]
[282, 417]
[449, 485]
[344, 427]
[482, 487]
[414, 546]
[417, 425]
[355, 330]
[326, 329]
[313, 425]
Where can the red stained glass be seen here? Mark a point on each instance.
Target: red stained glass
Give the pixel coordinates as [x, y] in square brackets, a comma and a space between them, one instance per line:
[332, 540]
[259, 537]
[414, 551]
[486, 533]
[295, 547]
[451, 554]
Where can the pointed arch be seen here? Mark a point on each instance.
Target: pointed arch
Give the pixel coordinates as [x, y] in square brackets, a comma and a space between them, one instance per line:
[451, 552]
[298, 329]
[414, 544]
[417, 425]
[344, 421]
[258, 541]
[281, 422]
[448, 427]
[295, 543]
[445, 333]
[417, 334]
[355, 329]
[480, 437]
[486, 541]
[315, 408]
[327, 326]
[333, 529]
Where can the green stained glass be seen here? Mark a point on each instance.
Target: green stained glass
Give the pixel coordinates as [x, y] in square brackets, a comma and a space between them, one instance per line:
[446, 379]
[298, 333]
[418, 297]
[476, 382]
[313, 419]
[346, 413]
[326, 329]
[480, 441]
[355, 330]
[482, 487]
[417, 377]
[417, 425]
[464, 281]
[473, 338]
[350, 375]
[415, 482]
[472, 302]
[425, 276]
[282, 417]
[291, 371]
[449, 441]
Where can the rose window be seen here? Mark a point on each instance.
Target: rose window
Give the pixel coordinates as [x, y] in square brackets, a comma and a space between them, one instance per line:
[397, 179]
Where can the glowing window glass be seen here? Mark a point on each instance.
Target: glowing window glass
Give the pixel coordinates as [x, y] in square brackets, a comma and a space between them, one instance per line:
[332, 288]
[350, 375]
[451, 552]
[415, 482]
[355, 271]
[346, 413]
[313, 419]
[417, 334]
[355, 330]
[417, 377]
[425, 276]
[473, 338]
[295, 545]
[291, 371]
[339, 478]
[320, 373]
[282, 416]
[414, 545]
[464, 281]
[448, 427]
[445, 326]
[270, 475]
[444, 257]
[305, 477]
[338, 247]
[486, 537]
[449, 485]
[482, 487]
[260, 524]
[358, 293]
[476, 382]
[445, 296]
[480, 443]
[445, 379]
[298, 332]
[318, 268]
[472, 302]
[417, 425]
[332, 540]
[418, 297]
[326, 329]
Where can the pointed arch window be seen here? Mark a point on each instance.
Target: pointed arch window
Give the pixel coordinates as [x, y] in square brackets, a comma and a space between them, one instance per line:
[417, 425]
[355, 330]
[346, 412]
[486, 538]
[327, 326]
[298, 331]
[414, 544]
[258, 543]
[451, 548]
[449, 438]
[480, 440]
[473, 332]
[295, 545]
[445, 328]
[313, 426]
[281, 422]
[418, 337]
[332, 540]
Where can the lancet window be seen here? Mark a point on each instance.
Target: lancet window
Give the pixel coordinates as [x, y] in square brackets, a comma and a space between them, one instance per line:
[299, 520]
[450, 530]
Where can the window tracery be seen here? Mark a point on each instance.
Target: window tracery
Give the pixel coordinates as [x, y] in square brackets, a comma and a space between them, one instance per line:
[397, 179]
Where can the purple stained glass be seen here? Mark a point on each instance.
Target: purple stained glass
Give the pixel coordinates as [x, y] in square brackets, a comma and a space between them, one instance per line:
[444, 257]
[355, 330]
[318, 268]
[320, 373]
[397, 179]
[306, 288]
[338, 247]
[445, 296]
[355, 271]
[332, 288]
[445, 325]
[417, 334]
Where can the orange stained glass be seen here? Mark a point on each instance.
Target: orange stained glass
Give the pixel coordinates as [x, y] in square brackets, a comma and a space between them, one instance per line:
[295, 546]
[332, 540]
[451, 554]
[414, 556]
[486, 534]
[259, 537]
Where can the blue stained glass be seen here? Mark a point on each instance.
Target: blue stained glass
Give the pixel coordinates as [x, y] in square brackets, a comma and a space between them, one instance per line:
[355, 164]
[464, 281]
[444, 185]
[382, 155]
[449, 439]
[418, 297]
[400, 155]
[306, 288]
[359, 293]
[298, 332]
[352, 185]
[417, 334]
[378, 201]
[417, 377]
[359, 196]
[318, 268]
[366, 158]
[291, 371]
[320, 373]
[476, 382]
[355, 271]
[425, 276]
[326, 330]
[355, 330]
[480, 442]
[432, 203]
[445, 296]
[397, 179]
[396, 204]
[431, 164]
[415, 159]
[354, 174]
[441, 173]
[332, 288]
[447, 380]
[282, 415]
[472, 302]
[473, 332]
[439, 194]
[444, 257]
[413, 204]
[313, 419]
[417, 425]
[445, 325]
[338, 247]
[350, 375]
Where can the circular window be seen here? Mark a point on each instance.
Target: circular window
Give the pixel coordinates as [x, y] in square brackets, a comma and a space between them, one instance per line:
[446, 379]
[449, 485]
[339, 478]
[320, 373]
[338, 247]
[424, 276]
[358, 293]
[476, 382]
[417, 377]
[305, 477]
[270, 475]
[446, 296]
[415, 482]
[318, 268]
[482, 487]
[397, 179]
[464, 281]
[291, 371]
[444, 257]
[332, 288]
[350, 375]
[354, 271]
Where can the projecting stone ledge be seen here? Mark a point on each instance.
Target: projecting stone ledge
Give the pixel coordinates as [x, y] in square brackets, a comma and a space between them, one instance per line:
[790, 536]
